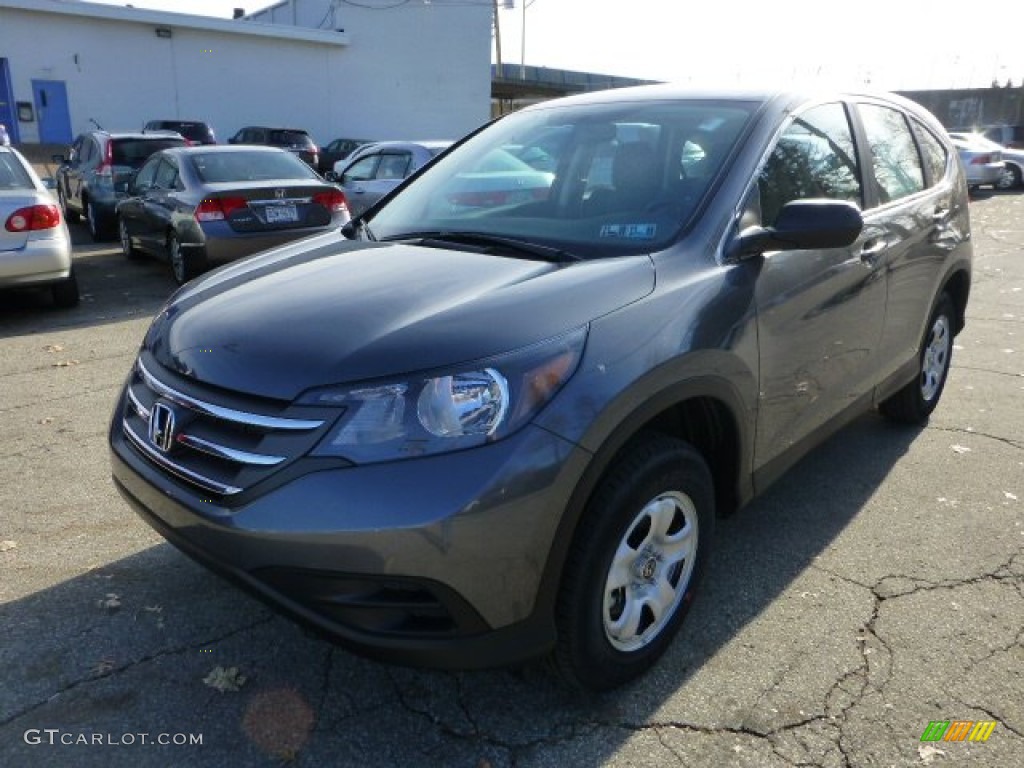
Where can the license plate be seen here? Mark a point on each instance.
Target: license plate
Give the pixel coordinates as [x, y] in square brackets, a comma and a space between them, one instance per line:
[277, 214]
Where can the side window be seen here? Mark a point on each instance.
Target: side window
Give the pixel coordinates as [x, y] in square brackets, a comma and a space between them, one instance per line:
[815, 158]
[394, 166]
[935, 155]
[166, 175]
[147, 175]
[88, 152]
[361, 170]
[894, 158]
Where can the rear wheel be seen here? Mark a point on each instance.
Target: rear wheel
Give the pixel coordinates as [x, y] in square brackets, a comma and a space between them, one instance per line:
[93, 219]
[65, 293]
[1010, 178]
[186, 263]
[69, 215]
[915, 402]
[635, 564]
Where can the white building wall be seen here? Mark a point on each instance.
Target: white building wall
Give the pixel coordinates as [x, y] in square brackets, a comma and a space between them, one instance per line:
[407, 75]
[418, 61]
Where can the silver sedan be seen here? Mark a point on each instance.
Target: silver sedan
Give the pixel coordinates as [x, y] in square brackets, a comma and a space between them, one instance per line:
[982, 159]
[35, 246]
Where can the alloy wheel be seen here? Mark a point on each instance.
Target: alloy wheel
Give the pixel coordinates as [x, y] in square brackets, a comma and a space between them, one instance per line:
[650, 571]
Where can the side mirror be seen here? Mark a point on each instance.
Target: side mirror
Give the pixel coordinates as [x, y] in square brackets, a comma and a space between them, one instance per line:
[801, 224]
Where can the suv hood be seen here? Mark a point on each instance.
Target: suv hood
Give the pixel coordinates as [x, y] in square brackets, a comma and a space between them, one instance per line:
[322, 312]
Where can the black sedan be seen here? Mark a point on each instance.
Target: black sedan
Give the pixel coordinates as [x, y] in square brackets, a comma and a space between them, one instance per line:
[197, 206]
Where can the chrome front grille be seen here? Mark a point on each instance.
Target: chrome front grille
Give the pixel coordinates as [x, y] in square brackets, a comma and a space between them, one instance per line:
[219, 448]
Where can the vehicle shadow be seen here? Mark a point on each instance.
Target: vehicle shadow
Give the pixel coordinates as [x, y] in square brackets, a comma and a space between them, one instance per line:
[112, 289]
[135, 645]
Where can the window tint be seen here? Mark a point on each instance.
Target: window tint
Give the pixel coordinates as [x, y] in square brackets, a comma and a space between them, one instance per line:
[166, 175]
[289, 138]
[394, 166]
[934, 152]
[362, 170]
[815, 158]
[89, 152]
[134, 152]
[219, 167]
[12, 175]
[894, 158]
[147, 174]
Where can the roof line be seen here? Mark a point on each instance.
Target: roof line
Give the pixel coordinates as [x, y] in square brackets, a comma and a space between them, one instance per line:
[173, 20]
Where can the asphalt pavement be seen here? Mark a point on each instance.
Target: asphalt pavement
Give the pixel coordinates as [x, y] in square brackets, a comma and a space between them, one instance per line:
[876, 588]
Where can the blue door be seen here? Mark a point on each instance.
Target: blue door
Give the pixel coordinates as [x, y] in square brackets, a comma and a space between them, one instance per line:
[51, 99]
[7, 103]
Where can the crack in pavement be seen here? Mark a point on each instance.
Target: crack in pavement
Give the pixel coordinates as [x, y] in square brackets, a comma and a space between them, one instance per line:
[117, 670]
[975, 433]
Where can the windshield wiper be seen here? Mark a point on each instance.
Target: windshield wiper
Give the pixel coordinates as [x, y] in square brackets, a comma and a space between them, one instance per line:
[488, 244]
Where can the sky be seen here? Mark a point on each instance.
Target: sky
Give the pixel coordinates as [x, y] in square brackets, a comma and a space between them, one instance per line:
[887, 44]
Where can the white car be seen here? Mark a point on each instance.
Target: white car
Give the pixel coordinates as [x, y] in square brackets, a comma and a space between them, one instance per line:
[982, 159]
[35, 245]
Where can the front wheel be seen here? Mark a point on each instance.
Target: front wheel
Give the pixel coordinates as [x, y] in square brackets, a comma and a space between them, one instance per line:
[915, 402]
[635, 564]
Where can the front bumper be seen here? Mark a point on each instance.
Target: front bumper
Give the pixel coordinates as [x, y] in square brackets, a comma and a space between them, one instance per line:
[436, 561]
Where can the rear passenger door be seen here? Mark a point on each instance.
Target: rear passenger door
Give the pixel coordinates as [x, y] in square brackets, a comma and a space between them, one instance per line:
[820, 312]
[913, 209]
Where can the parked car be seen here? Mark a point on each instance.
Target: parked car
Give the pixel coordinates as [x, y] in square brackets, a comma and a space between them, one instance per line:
[500, 178]
[1011, 136]
[94, 175]
[35, 246]
[477, 436]
[376, 169]
[337, 151]
[194, 131]
[982, 159]
[295, 140]
[199, 206]
[5, 139]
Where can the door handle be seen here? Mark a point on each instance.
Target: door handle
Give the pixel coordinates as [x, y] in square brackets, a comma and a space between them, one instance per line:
[872, 249]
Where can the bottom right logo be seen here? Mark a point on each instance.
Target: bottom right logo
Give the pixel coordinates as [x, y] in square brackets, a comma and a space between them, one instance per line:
[958, 730]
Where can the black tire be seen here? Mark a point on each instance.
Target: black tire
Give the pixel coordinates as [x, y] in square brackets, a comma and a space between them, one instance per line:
[69, 215]
[609, 635]
[65, 293]
[98, 228]
[186, 263]
[1010, 177]
[127, 248]
[915, 402]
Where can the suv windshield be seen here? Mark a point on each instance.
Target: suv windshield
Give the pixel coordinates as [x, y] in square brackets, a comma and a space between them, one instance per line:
[289, 138]
[591, 181]
[134, 152]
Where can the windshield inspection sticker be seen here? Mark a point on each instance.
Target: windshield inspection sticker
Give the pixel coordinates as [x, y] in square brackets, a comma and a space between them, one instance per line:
[629, 231]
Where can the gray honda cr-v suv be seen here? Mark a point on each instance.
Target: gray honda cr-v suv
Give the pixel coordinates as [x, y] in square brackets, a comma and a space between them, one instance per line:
[498, 421]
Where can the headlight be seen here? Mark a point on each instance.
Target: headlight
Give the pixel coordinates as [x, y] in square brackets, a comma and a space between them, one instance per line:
[446, 410]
